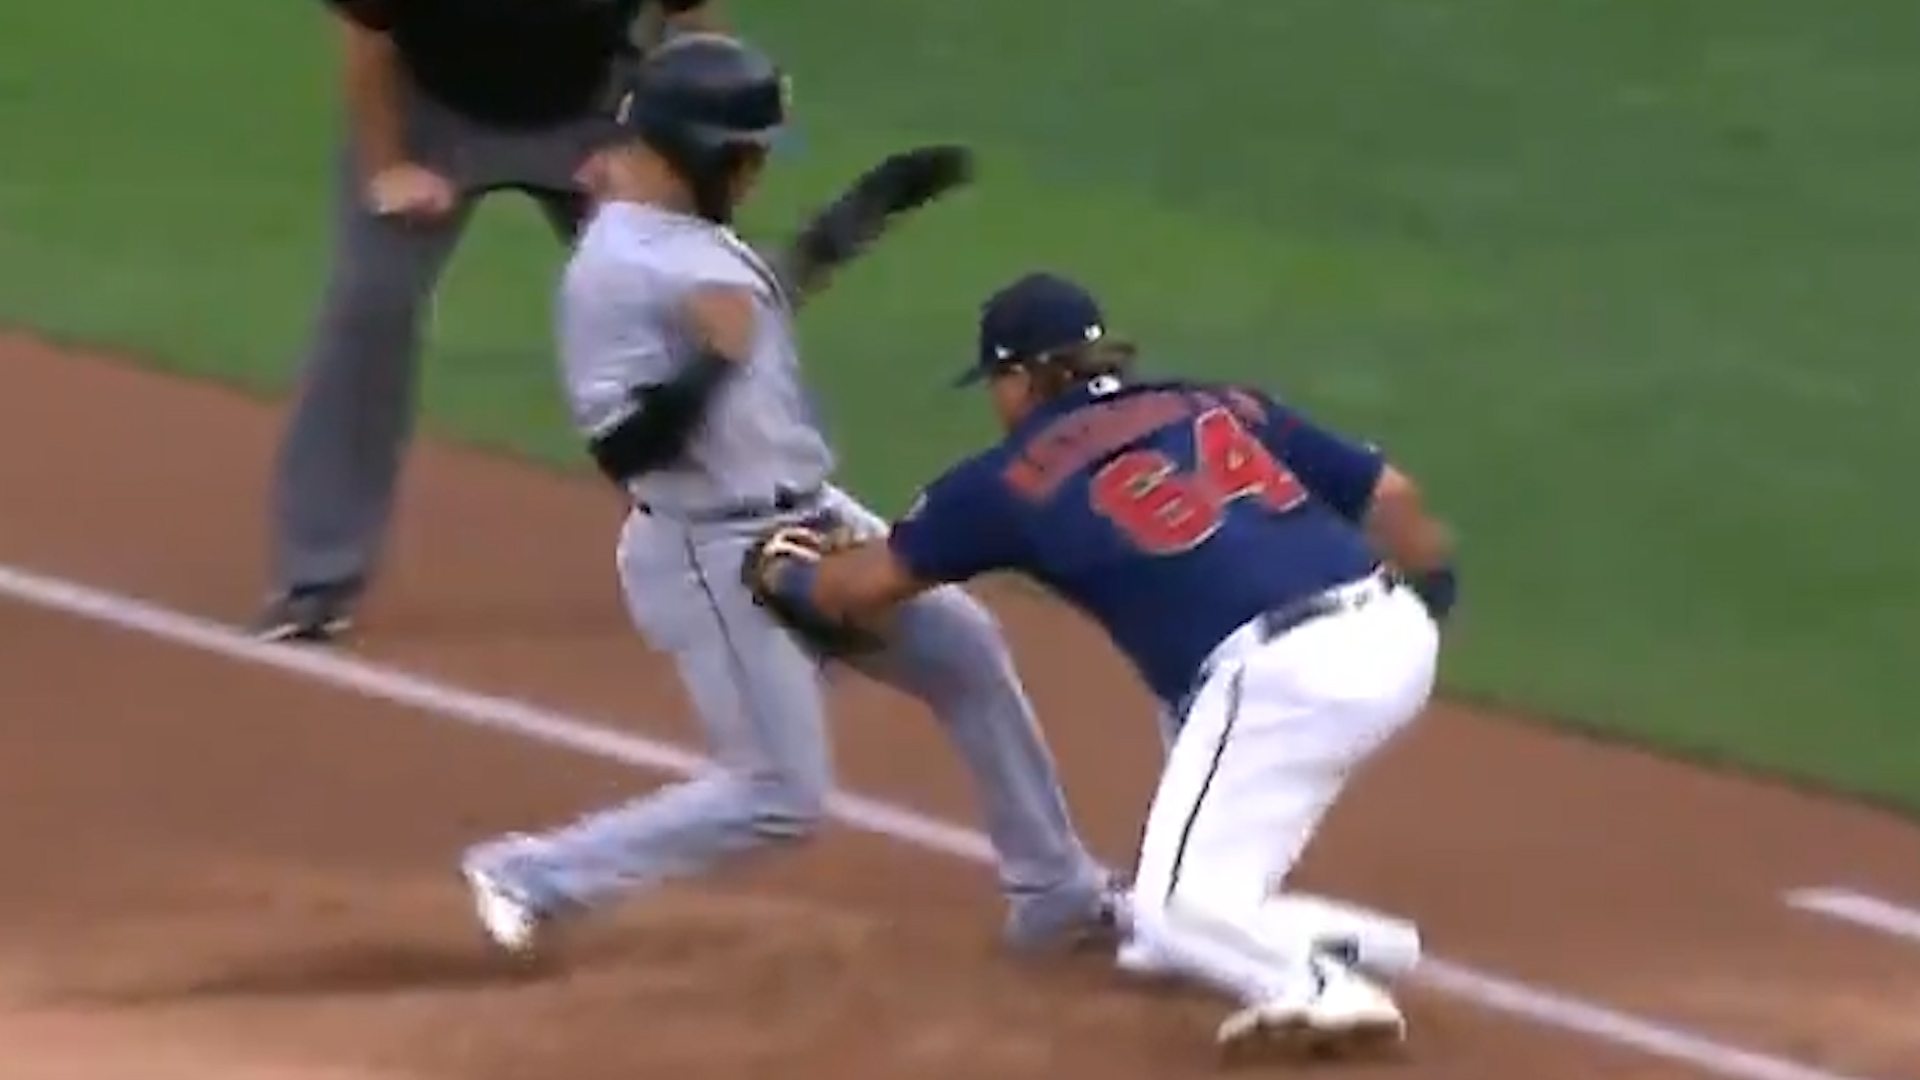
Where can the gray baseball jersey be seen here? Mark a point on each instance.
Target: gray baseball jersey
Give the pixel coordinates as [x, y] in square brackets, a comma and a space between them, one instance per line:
[756, 686]
[621, 327]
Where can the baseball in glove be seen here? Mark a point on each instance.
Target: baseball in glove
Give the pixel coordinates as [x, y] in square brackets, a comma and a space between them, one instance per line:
[777, 571]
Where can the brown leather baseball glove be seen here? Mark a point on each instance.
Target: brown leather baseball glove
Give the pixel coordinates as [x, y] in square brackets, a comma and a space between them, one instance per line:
[807, 542]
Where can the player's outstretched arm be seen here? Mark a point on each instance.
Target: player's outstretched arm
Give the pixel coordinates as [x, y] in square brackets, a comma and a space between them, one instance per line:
[1417, 543]
[1359, 484]
[1398, 523]
[851, 223]
[864, 583]
[956, 530]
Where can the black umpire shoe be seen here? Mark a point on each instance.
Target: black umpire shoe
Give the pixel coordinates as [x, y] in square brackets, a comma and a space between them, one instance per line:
[313, 613]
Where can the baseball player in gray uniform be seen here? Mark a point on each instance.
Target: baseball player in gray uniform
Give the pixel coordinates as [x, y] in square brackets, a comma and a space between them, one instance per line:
[681, 369]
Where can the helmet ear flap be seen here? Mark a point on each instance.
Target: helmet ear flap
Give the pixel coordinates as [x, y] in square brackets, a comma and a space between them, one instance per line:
[713, 180]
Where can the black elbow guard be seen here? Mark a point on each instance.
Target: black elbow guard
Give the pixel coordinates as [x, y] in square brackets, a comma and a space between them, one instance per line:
[670, 413]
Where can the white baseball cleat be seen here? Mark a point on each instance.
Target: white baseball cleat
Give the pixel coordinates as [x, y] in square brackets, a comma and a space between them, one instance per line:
[506, 912]
[1342, 1014]
[512, 923]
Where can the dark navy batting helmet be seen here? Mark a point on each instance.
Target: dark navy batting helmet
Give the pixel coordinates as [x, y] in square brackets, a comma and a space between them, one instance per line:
[705, 102]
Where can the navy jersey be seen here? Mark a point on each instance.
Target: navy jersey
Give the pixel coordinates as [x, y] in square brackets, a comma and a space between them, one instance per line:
[1171, 513]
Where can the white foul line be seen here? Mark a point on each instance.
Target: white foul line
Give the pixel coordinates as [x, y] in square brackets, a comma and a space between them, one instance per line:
[1860, 909]
[1540, 1006]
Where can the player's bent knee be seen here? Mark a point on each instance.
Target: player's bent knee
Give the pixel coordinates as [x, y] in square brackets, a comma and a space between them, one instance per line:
[1150, 937]
[962, 614]
[973, 647]
[1189, 912]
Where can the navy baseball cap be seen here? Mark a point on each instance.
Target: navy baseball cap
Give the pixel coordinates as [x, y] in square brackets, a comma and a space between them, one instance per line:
[1036, 315]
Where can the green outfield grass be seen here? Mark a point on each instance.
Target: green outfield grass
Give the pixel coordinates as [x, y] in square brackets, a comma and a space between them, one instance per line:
[1631, 283]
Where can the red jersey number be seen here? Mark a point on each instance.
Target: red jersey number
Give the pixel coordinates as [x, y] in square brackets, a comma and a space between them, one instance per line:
[1164, 511]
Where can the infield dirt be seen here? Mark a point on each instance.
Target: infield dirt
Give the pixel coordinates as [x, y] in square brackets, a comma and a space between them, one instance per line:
[217, 871]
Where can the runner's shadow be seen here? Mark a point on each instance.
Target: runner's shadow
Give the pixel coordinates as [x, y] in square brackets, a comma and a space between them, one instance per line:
[358, 969]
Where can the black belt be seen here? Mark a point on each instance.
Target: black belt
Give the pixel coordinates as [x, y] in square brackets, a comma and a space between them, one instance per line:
[784, 501]
[1308, 608]
[1292, 616]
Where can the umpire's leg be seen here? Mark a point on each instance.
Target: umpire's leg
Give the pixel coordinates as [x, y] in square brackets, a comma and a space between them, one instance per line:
[340, 459]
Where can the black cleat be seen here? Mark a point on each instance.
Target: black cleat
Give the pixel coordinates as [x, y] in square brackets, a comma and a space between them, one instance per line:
[312, 613]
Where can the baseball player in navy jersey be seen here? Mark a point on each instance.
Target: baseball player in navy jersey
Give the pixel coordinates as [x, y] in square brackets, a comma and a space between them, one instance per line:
[680, 365]
[1278, 587]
